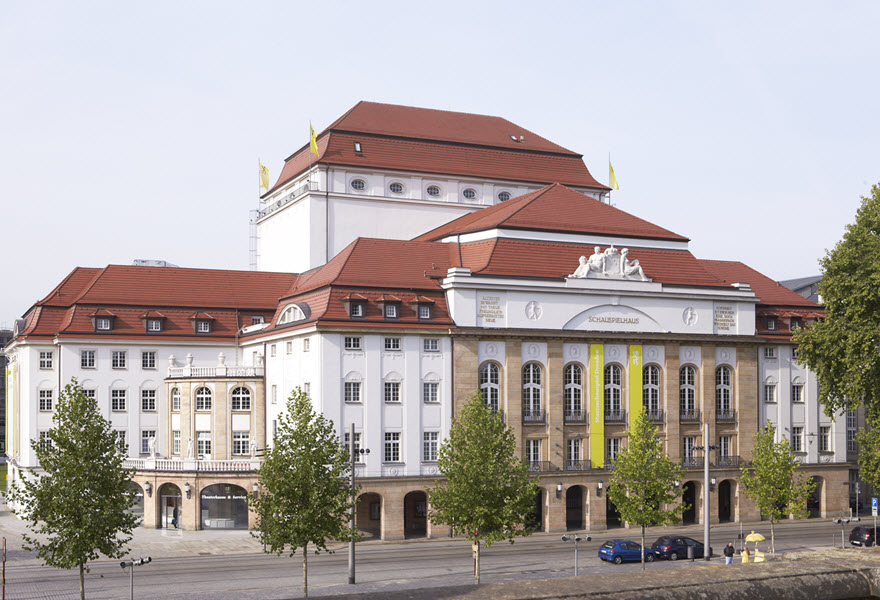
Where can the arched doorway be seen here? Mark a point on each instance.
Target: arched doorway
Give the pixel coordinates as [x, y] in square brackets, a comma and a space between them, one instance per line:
[368, 515]
[415, 515]
[170, 505]
[689, 499]
[223, 506]
[612, 515]
[574, 508]
[138, 508]
[536, 522]
[725, 501]
[814, 501]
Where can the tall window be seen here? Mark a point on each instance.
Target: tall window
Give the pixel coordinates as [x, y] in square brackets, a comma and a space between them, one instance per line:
[429, 446]
[392, 446]
[146, 436]
[148, 400]
[687, 390]
[274, 394]
[430, 392]
[358, 457]
[175, 442]
[87, 359]
[851, 428]
[118, 359]
[573, 390]
[392, 392]
[117, 400]
[241, 399]
[45, 400]
[651, 388]
[797, 439]
[121, 442]
[148, 360]
[241, 441]
[797, 392]
[612, 447]
[724, 445]
[533, 451]
[175, 399]
[352, 391]
[203, 441]
[46, 360]
[489, 385]
[45, 440]
[612, 390]
[574, 454]
[531, 390]
[688, 443]
[203, 399]
[825, 438]
[722, 389]
[770, 392]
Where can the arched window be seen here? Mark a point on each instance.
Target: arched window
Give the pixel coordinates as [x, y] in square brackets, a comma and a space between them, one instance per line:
[687, 391]
[490, 377]
[290, 314]
[532, 392]
[612, 393]
[651, 389]
[573, 392]
[722, 391]
[175, 399]
[241, 399]
[203, 399]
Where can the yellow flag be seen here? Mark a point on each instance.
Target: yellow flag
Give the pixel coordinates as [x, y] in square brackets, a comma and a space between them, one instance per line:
[264, 176]
[313, 141]
[613, 183]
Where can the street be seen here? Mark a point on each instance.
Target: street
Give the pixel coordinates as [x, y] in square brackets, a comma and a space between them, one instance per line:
[380, 566]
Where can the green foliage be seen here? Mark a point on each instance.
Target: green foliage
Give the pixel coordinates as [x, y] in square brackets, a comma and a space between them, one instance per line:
[643, 480]
[842, 348]
[487, 495]
[80, 507]
[305, 496]
[772, 480]
[869, 454]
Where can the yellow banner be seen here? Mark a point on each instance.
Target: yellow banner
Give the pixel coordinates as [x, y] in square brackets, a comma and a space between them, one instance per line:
[635, 382]
[597, 405]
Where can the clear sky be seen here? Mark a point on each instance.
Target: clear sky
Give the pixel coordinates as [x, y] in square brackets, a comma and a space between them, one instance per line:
[132, 129]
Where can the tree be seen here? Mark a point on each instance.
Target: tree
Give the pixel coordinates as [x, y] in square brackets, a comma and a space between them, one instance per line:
[643, 480]
[772, 480]
[487, 496]
[304, 497]
[81, 505]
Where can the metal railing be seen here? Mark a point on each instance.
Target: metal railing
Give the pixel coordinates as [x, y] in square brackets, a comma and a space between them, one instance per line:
[689, 416]
[728, 461]
[692, 462]
[655, 415]
[615, 416]
[532, 416]
[540, 466]
[576, 416]
[577, 465]
[725, 416]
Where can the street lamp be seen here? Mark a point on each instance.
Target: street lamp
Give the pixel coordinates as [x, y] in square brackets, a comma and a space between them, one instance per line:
[575, 539]
[131, 563]
[354, 454]
[843, 523]
[707, 553]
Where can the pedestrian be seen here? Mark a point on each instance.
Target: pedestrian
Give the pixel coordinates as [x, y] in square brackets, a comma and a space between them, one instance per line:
[728, 553]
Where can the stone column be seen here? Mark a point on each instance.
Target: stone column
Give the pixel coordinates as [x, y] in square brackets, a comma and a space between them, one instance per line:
[392, 512]
[671, 402]
[553, 386]
[511, 391]
[151, 504]
[465, 360]
[746, 399]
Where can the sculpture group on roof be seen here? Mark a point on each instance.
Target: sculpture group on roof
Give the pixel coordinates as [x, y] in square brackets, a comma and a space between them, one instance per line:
[609, 264]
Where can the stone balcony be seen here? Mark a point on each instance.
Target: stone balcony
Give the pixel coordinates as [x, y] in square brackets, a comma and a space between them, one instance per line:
[172, 465]
[219, 371]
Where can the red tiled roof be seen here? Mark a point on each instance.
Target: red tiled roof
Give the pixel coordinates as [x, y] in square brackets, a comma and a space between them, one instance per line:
[554, 208]
[769, 291]
[70, 287]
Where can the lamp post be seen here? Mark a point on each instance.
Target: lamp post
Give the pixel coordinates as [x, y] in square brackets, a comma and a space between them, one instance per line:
[131, 564]
[354, 454]
[706, 447]
[843, 523]
[575, 539]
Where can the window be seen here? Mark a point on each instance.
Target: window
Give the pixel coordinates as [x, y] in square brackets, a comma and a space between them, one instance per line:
[290, 314]
[469, 194]
[241, 399]
[429, 446]
[770, 392]
[274, 394]
[795, 323]
[574, 452]
[396, 187]
[392, 446]
[90, 393]
[357, 147]
[769, 351]
[203, 441]
[241, 441]
[722, 389]
[45, 440]
[102, 324]
[851, 428]
[121, 442]
[825, 438]
[431, 345]
[288, 348]
[307, 343]
[533, 451]
[45, 400]
[424, 312]
[148, 360]
[148, 400]
[87, 359]
[430, 393]
[118, 361]
[573, 391]
[175, 399]
[531, 390]
[175, 442]
[203, 399]
[358, 457]
[46, 360]
[771, 324]
[687, 390]
[503, 196]
[797, 439]
[651, 388]
[257, 320]
[433, 191]
[358, 185]
[117, 400]
[391, 311]
[203, 327]
[392, 343]
[352, 343]
[357, 309]
[307, 389]
[794, 354]
[352, 391]
[688, 445]
[146, 436]
[154, 325]
[273, 350]
[612, 448]
[612, 390]
[489, 385]
[392, 391]
[724, 446]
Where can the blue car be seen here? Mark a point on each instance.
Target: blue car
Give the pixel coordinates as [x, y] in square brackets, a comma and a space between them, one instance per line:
[617, 551]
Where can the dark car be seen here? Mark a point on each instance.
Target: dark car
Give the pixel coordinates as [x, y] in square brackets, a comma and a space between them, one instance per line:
[861, 536]
[617, 551]
[675, 547]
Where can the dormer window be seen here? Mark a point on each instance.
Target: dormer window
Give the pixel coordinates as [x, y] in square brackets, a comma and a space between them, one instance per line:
[357, 309]
[203, 327]
[154, 325]
[392, 311]
[103, 323]
[355, 306]
[795, 323]
[424, 307]
[424, 312]
[202, 323]
[292, 313]
[390, 306]
[257, 320]
[102, 320]
[771, 323]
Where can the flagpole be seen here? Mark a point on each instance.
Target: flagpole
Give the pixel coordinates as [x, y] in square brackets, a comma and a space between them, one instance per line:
[609, 178]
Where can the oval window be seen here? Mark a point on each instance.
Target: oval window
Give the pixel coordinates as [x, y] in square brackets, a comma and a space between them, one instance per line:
[504, 196]
[358, 184]
[433, 190]
[469, 194]
[397, 188]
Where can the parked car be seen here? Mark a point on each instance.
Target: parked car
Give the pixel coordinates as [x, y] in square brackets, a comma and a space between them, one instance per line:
[617, 551]
[675, 547]
[862, 536]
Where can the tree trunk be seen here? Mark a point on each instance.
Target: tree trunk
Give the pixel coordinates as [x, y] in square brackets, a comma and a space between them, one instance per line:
[772, 536]
[306, 570]
[477, 564]
[82, 581]
[643, 547]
